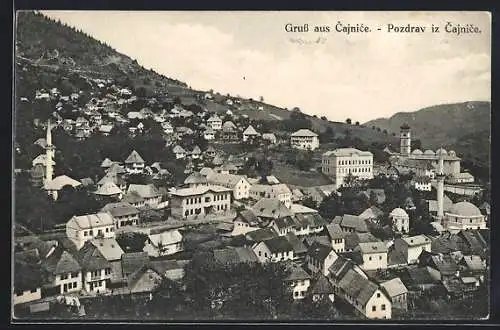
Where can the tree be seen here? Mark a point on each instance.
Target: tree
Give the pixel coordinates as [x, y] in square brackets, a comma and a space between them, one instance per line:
[297, 114]
[132, 241]
[309, 202]
[357, 123]
[348, 121]
[330, 206]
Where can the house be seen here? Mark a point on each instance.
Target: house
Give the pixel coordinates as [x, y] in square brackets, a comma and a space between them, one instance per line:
[171, 269]
[397, 293]
[167, 128]
[80, 229]
[283, 225]
[214, 122]
[55, 185]
[269, 137]
[124, 214]
[116, 178]
[27, 282]
[351, 223]
[271, 208]
[112, 252]
[275, 249]
[250, 133]
[196, 179]
[298, 280]
[134, 164]
[444, 264]
[365, 296]
[196, 152]
[237, 183]
[96, 270]
[322, 288]
[473, 265]
[412, 247]
[179, 152]
[132, 261]
[109, 190]
[229, 132]
[279, 191]
[301, 209]
[319, 258]
[152, 196]
[144, 280]
[352, 240]
[308, 223]
[422, 279]
[299, 249]
[343, 162]
[372, 213]
[373, 254]
[400, 221]
[474, 242]
[200, 201]
[133, 198]
[304, 139]
[337, 237]
[209, 134]
[260, 235]
[422, 183]
[61, 273]
[105, 129]
[164, 243]
[244, 222]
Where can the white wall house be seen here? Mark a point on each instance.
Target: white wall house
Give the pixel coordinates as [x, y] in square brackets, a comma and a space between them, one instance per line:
[279, 191]
[339, 163]
[80, 229]
[197, 202]
[412, 247]
[400, 220]
[237, 183]
[214, 122]
[374, 255]
[273, 250]
[304, 139]
[162, 244]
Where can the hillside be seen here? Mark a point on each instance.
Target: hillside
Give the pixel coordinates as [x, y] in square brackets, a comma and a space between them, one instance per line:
[441, 124]
[49, 53]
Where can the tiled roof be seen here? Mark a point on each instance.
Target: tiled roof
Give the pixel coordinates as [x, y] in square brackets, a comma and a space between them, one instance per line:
[132, 198]
[120, 209]
[271, 208]
[235, 255]
[296, 273]
[59, 182]
[195, 178]
[144, 190]
[319, 251]
[394, 287]
[109, 188]
[260, 235]
[133, 261]
[322, 286]
[357, 287]
[91, 220]
[198, 190]
[278, 244]
[314, 220]
[304, 132]
[250, 131]
[334, 231]
[351, 221]
[353, 239]
[134, 157]
[109, 248]
[372, 212]
[166, 237]
[60, 262]
[225, 179]
[133, 279]
[249, 217]
[417, 240]
[298, 246]
[90, 258]
[372, 247]
[347, 152]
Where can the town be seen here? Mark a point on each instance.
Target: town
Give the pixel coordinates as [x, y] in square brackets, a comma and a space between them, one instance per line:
[131, 205]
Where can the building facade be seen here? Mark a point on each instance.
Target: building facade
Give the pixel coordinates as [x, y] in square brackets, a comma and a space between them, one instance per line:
[304, 139]
[200, 201]
[340, 163]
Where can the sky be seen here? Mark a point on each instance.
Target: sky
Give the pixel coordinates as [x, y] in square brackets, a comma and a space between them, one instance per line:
[361, 76]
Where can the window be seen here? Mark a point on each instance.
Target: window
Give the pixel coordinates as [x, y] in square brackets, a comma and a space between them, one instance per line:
[107, 229]
[378, 295]
[265, 254]
[65, 288]
[383, 307]
[64, 276]
[296, 293]
[374, 308]
[380, 258]
[260, 253]
[34, 290]
[85, 233]
[370, 258]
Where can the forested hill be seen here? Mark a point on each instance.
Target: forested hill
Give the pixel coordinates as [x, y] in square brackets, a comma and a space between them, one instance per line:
[51, 54]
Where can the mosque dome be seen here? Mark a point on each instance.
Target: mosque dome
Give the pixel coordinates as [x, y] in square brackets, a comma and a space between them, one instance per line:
[441, 151]
[417, 152]
[429, 153]
[465, 209]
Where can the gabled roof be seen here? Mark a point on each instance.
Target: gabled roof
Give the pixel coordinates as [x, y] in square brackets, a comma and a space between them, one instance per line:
[134, 278]
[260, 235]
[296, 273]
[178, 150]
[90, 221]
[195, 178]
[134, 157]
[301, 209]
[298, 246]
[334, 231]
[271, 208]
[250, 131]
[322, 286]
[304, 132]
[357, 287]
[249, 217]
[310, 240]
[200, 190]
[132, 198]
[353, 239]
[417, 240]
[314, 220]
[60, 262]
[319, 251]
[133, 260]
[109, 248]
[120, 209]
[59, 182]
[144, 190]
[109, 188]
[278, 244]
[372, 247]
[90, 258]
[166, 238]
[372, 212]
[347, 152]
[225, 179]
[27, 276]
[285, 222]
[196, 150]
[394, 287]
[351, 221]
[235, 255]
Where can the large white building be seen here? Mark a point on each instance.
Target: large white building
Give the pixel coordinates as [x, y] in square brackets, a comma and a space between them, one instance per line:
[80, 229]
[237, 183]
[200, 201]
[462, 216]
[304, 139]
[339, 163]
[279, 191]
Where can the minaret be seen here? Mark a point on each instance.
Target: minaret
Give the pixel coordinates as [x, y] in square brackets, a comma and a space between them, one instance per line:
[405, 140]
[49, 155]
[440, 187]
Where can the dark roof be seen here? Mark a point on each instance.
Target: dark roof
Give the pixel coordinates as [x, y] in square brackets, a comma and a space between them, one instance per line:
[165, 265]
[322, 286]
[296, 273]
[285, 222]
[420, 276]
[318, 251]
[60, 261]
[351, 221]
[309, 240]
[298, 246]
[352, 240]
[473, 242]
[249, 217]
[446, 243]
[311, 219]
[90, 258]
[334, 231]
[133, 261]
[235, 255]
[28, 256]
[395, 257]
[445, 264]
[278, 244]
[357, 286]
[134, 278]
[262, 234]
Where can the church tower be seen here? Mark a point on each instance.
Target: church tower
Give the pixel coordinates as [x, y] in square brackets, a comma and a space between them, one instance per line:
[49, 155]
[405, 140]
[440, 188]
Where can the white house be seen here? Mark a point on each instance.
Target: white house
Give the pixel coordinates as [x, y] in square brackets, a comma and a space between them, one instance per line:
[179, 152]
[278, 191]
[124, 214]
[299, 282]
[80, 229]
[214, 122]
[342, 162]
[96, 270]
[304, 139]
[337, 237]
[162, 244]
[200, 201]
[250, 133]
[422, 183]
[237, 183]
[412, 247]
[134, 164]
[373, 254]
[245, 222]
[62, 271]
[275, 249]
[400, 220]
[319, 258]
[209, 134]
[151, 195]
[167, 128]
